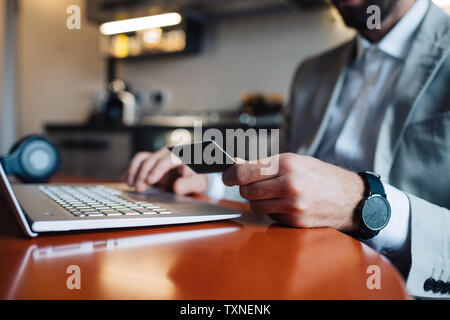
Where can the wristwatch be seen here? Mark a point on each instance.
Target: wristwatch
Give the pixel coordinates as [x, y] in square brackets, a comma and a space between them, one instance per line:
[374, 211]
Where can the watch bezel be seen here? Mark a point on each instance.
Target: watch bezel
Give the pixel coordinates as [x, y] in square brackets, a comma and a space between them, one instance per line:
[388, 206]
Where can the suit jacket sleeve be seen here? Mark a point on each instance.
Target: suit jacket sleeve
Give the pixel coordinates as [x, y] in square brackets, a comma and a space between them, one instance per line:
[430, 246]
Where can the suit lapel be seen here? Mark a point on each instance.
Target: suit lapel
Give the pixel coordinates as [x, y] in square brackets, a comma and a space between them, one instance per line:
[427, 55]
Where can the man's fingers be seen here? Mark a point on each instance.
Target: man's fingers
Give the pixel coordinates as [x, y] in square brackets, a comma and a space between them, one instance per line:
[285, 219]
[134, 166]
[271, 206]
[190, 184]
[162, 166]
[284, 211]
[145, 168]
[141, 186]
[140, 181]
[266, 189]
[167, 181]
[185, 171]
[245, 173]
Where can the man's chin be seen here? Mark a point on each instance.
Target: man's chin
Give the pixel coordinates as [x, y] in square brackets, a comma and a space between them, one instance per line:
[354, 12]
[354, 17]
[358, 24]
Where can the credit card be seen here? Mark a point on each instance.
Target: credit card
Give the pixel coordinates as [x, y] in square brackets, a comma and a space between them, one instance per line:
[203, 157]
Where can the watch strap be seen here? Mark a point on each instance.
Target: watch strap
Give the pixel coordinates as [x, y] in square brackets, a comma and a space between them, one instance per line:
[365, 234]
[374, 184]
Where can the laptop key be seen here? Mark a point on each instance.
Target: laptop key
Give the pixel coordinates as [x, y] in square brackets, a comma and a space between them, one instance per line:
[108, 211]
[130, 212]
[144, 211]
[93, 214]
[112, 214]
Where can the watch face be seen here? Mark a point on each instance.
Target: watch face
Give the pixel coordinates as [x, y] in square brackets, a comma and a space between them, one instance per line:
[376, 212]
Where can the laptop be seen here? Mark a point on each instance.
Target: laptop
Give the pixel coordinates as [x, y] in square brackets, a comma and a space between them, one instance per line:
[59, 207]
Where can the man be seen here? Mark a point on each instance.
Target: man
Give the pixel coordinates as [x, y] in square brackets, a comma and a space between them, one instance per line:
[377, 103]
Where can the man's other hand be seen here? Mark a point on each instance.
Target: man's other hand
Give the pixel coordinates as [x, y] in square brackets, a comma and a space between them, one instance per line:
[163, 169]
[305, 192]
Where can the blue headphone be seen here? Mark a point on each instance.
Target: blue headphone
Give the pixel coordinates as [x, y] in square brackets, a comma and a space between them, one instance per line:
[33, 159]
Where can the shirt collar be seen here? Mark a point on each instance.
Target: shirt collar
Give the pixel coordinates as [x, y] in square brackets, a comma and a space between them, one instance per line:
[397, 42]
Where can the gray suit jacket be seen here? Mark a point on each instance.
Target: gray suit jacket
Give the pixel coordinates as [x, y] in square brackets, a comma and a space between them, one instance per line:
[413, 148]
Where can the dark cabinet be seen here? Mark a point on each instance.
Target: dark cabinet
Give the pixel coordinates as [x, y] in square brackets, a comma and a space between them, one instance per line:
[93, 153]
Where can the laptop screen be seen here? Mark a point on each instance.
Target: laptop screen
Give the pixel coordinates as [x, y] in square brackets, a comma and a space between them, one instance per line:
[7, 191]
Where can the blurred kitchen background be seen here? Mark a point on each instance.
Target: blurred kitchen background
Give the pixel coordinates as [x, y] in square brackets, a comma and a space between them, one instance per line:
[103, 93]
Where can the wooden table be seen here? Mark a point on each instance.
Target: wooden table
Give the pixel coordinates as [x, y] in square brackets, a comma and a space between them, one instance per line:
[247, 258]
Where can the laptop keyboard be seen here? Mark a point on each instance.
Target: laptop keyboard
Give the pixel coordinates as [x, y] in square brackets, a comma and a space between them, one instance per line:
[99, 201]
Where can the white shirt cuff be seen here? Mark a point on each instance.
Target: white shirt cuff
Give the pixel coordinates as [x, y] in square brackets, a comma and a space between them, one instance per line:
[216, 188]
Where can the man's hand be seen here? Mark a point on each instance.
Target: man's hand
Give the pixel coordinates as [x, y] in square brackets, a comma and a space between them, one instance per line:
[163, 169]
[305, 192]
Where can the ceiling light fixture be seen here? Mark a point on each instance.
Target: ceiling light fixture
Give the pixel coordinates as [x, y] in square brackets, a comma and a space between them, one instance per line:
[143, 23]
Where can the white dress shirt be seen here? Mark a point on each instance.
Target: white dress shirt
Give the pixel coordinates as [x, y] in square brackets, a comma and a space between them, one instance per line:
[352, 133]
[351, 136]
